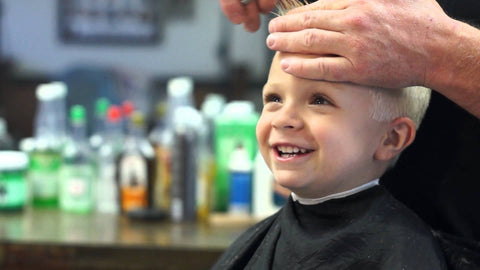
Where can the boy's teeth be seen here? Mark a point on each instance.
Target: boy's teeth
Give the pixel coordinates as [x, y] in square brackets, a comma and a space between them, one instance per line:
[291, 150]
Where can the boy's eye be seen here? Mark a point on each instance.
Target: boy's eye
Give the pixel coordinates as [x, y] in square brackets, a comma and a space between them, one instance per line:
[320, 100]
[272, 98]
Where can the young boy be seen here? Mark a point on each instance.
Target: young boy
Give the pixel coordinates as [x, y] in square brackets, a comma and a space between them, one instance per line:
[329, 143]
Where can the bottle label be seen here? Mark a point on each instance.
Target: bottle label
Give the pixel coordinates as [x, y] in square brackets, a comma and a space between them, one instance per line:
[76, 187]
[164, 178]
[133, 182]
[240, 192]
[204, 186]
[13, 192]
[106, 188]
[44, 169]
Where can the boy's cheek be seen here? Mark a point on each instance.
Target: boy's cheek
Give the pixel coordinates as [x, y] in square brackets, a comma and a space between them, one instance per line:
[261, 128]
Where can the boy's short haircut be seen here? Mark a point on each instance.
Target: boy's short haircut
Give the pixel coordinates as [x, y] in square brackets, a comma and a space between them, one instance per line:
[389, 104]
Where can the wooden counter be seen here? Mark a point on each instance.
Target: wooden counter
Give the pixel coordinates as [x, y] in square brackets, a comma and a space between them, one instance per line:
[50, 239]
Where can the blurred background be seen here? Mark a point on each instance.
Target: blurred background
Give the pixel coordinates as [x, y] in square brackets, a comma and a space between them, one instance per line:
[94, 146]
[135, 44]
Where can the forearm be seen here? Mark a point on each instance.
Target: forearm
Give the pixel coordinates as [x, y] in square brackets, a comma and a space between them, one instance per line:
[454, 68]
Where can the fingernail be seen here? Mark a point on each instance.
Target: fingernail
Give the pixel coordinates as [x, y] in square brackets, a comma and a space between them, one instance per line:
[237, 16]
[285, 64]
[271, 26]
[249, 27]
[270, 41]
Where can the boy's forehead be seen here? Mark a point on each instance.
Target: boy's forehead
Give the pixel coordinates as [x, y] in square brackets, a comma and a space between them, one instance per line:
[277, 76]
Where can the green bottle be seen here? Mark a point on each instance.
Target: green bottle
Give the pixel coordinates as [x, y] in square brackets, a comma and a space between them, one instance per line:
[13, 184]
[77, 171]
[236, 125]
[49, 132]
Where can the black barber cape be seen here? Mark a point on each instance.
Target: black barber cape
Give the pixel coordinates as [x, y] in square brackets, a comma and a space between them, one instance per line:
[367, 230]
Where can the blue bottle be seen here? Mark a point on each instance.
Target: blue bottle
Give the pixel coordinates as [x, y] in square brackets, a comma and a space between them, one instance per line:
[240, 169]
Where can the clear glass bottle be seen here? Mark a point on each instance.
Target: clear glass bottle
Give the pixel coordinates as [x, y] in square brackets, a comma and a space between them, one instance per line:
[106, 188]
[77, 169]
[98, 133]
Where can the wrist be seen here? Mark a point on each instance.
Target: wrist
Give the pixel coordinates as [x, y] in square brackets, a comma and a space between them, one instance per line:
[454, 64]
[442, 52]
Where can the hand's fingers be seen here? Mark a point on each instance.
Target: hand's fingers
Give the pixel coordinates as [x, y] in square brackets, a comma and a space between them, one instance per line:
[321, 19]
[234, 10]
[252, 19]
[309, 41]
[266, 6]
[334, 69]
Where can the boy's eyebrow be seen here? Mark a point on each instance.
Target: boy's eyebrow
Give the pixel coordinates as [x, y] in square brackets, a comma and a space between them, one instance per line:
[270, 86]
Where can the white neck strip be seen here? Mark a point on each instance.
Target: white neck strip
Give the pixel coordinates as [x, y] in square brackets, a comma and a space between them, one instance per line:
[343, 194]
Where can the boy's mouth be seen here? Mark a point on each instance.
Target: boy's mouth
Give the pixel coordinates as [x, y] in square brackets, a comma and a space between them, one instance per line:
[291, 151]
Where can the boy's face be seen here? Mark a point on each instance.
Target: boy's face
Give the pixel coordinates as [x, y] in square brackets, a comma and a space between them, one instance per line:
[317, 137]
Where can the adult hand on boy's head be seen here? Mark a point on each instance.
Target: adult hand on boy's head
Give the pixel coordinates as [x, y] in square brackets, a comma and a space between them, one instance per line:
[380, 43]
[248, 14]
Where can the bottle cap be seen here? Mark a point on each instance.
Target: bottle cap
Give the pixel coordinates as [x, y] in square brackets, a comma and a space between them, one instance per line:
[101, 107]
[213, 105]
[50, 91]
[239, 108]
[180, 86]
[77, 114]
[137, 119]
[186, 117]
[180, 91]
[60, 89]
[13, 160]
[27, 145]
[44, 92]
[127, 108]
[114, 114]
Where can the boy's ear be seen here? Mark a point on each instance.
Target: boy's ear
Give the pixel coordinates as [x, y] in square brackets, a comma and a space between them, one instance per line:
[400, 134]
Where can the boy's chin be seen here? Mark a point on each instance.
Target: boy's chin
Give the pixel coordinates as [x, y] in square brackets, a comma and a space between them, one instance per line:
[292, 182]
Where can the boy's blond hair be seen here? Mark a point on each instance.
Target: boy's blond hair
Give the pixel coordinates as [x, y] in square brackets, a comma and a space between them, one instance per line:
[389, 104]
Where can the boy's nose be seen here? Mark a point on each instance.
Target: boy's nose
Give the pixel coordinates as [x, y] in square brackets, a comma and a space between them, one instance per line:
[287, 118]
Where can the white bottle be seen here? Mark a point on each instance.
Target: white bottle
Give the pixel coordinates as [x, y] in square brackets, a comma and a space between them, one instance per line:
[263, 189]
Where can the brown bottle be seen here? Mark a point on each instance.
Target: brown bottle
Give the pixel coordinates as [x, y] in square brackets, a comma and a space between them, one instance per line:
[136, 168]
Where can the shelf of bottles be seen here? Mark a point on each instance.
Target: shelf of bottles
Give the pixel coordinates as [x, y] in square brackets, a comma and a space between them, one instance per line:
[192, 163]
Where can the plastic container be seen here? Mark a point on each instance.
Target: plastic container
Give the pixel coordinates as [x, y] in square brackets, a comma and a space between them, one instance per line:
[236, 125]
[187, 121]
[180, 94]
[265, 200]
[240, 170]
[13, 180]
